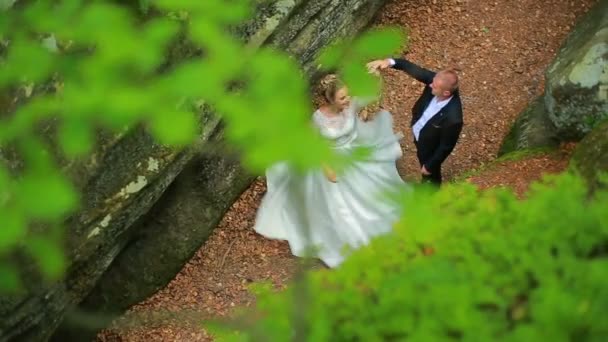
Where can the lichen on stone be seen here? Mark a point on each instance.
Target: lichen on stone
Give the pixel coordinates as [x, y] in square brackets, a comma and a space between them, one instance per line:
[592, 68]
[105, 222]
[153, 164]
[134, 186]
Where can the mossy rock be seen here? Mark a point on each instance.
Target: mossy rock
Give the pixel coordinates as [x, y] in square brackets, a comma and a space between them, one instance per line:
[576, 91]
[590, 158]
[531, 130]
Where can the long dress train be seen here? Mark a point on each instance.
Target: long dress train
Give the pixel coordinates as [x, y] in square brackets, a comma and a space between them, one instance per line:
[320, 217]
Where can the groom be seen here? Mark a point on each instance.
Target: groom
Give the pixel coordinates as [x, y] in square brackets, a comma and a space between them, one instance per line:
[436, 115]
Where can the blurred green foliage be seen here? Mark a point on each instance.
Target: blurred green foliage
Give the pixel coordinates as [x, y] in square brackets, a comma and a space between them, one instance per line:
[461, 265]
[90, 65]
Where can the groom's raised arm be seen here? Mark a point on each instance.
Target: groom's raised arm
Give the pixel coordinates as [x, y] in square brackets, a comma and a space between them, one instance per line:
[421, 74]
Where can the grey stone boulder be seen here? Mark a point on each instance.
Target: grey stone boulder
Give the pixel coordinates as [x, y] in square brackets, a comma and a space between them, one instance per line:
[576, 89]
[531, 130]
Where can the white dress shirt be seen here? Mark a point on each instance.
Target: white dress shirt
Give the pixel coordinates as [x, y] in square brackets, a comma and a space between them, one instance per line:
[433, 108]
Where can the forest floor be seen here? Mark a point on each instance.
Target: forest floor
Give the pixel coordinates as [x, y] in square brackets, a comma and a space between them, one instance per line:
[502, 48]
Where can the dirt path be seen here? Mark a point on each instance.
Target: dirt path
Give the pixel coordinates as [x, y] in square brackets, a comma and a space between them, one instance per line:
[502, 47]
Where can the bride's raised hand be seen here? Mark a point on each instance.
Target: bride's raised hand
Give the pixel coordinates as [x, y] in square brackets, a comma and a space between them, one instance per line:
[374, 67]
[330, 174]
[373, 70]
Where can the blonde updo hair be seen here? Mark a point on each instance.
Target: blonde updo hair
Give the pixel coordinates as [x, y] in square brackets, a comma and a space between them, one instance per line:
[328, 87]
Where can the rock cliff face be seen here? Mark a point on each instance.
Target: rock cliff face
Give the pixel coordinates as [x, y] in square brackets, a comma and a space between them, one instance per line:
[147, 208]
[576, 88]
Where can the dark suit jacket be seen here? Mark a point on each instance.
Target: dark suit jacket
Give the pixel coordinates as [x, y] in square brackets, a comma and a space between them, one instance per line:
[440, 134]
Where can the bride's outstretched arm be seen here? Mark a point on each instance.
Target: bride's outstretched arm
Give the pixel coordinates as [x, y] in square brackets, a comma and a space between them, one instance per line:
[360, 102]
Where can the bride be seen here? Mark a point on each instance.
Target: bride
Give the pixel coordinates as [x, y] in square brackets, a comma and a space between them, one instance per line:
[321, 212]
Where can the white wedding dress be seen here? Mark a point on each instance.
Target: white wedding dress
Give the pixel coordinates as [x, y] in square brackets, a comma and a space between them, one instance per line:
[319, 218]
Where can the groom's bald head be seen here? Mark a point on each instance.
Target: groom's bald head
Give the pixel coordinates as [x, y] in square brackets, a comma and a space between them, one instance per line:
[445, 83]
[451, 78]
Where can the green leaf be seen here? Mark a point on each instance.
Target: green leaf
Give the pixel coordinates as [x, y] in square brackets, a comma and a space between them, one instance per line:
[9, 278]
[332, 56]
[35, 154]
[75, 137]
[6, 24]
[373, 44]
[213, 12]
[379, 43]
[39, 16]
[99, 14]
[26, 116]
[194, 79]
[359, 81]
[219, 45]
[175, 128]
[13, 228]
[228, 12]
[48, 254]
[128, 107]
[66, 10]
[28, 61]
[177, 5]
[46, 196]
[144, 6]
[157, 35]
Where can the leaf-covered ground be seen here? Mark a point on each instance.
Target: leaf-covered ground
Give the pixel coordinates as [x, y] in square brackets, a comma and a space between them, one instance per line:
[518, 173]
[502, 47]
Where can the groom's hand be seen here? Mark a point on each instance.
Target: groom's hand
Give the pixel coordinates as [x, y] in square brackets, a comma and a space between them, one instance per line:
[377, 65]
[424, 171]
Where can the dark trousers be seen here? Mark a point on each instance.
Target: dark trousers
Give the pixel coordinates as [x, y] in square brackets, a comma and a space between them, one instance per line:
[435, 177]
